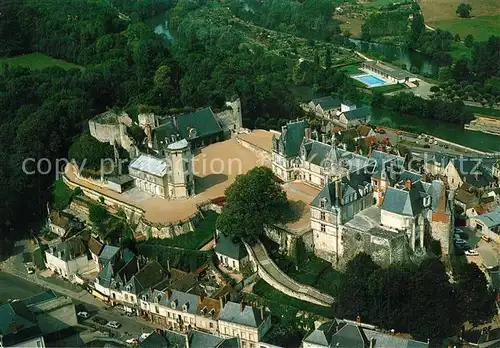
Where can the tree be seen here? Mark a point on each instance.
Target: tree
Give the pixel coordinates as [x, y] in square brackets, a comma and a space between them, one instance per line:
[463, 10]
[457, 37]
[469, 40]
[89, 152]
[434, 89]
[328, 58]
[254, 200]
[475, 301]
[300, 252]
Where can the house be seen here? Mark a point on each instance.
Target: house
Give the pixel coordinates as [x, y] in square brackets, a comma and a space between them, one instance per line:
[286, 148]
[477, 172]
[198, 339]
[18, 327]
[147, 277]
[466, 197]
[345, 333]
[166, 178]
[325, 107]
[353, 116]
[95, 248]
[385, 170]
[487, 224]
[68, 258]
[246, 322]
[58, 222]
[230, 253]
[388, 72]
[436, 163]
[363, 131]
[336, 204]
[193, 339]
[116, 267]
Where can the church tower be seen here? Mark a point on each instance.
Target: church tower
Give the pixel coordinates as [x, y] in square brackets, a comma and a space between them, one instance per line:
[180, 178]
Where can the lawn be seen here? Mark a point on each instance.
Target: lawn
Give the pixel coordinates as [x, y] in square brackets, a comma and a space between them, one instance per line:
[199, 237]
[388, 88]
[352, 69]
[379, 3]
[61, 195]
[352, 25]
[37, 61]
[484, 22]
[458, 49]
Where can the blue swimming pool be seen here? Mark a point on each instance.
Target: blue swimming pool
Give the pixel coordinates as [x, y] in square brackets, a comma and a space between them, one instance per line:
[370, 80]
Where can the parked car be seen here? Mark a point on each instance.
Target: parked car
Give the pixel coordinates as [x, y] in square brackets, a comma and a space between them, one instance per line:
[113, 324]
[100, 320]
[471, 252]
[485, 238]
[380, 130]
[30, 270]
[132, 341]
[83, 315]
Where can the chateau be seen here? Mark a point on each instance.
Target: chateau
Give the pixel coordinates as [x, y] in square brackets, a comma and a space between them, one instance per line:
[370, 204]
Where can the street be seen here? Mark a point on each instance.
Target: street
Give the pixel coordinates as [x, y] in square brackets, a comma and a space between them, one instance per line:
[16, 283]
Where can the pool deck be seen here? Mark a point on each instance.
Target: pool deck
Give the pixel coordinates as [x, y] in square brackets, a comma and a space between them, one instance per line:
[373, 75]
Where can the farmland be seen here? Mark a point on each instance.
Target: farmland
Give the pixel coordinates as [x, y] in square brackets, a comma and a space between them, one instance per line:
[483, 23]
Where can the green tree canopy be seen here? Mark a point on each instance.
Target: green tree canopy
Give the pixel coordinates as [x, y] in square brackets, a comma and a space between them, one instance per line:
[88, 152]
[254, 200]
[463, 10]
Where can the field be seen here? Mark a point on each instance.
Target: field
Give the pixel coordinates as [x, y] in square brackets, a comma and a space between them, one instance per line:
[351, 24]
[485, 19]
[378, 3]
[37, 61]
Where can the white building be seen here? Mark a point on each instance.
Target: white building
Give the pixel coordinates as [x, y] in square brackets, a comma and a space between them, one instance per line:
[68, 258]
[232, 254]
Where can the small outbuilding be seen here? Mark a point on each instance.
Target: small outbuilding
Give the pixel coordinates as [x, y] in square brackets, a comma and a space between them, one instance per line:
[231, 253]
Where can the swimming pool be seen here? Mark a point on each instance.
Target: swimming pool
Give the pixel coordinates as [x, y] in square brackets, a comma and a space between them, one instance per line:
[369, 80]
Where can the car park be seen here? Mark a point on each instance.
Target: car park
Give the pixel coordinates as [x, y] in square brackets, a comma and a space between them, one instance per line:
[113, 324]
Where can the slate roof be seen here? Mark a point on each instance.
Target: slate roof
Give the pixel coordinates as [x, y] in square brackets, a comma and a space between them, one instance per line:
[150, 164]
[178, 145]
[322, 335]
[474, 171]
[327, 102]
[226, 246]
[95, 246]
[69, 249]
[409, 175]
[351, 336]
[465, 197]
[155, 340]
[179, 297]
[361, 113]
[385, 165]
[390, 341]
[403, 201]
[107, 253]
[198, 339]
[164, 132]
[17, 324]
[491, 219]
[291, 138]
[123, 268]
[151, 274]
[58, 219]
[202, 120]
[39, 298]
[250, 316]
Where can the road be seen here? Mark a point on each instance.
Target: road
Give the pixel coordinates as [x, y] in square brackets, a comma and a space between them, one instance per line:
[15, 282]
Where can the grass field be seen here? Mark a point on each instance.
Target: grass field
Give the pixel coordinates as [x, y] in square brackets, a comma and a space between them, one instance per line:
[37, 61]
[378, 3]
[485, 19]
[352, 25]
[484, 111]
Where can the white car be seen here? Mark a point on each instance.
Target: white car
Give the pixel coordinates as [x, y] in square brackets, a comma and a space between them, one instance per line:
[83, 315]
[132, 340]
[113, 324]
[471, 252]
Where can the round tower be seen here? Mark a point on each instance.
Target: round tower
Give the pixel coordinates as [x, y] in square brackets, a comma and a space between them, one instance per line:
[180, 178]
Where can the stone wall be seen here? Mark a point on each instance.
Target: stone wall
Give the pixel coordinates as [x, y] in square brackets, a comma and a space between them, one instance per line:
[231, 119]
[112, 134]
[264, 154]
[286, 240]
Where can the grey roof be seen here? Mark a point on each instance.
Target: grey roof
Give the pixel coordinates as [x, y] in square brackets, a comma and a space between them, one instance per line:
[203, 121]
[178, 145]
[474, 171]
[119, 270]
[69, 249]
[226, 246]
[351, 336]
[17, 324]
[404, 201]
[322, 335]
[198, 339]
[327, 103]
[390, 341]
[148, 276]
[179, 297]
[107, 253]
[409, 175]
[250, 316]
[388, 69]
[155, 340]
[491, 219]
[361, 113]
[386, 166]
[121, 179]
[291, 138]
[357, 184]
[39, 298]
[150, 164]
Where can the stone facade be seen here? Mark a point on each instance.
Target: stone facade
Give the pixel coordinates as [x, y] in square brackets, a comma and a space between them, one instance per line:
[111, 128]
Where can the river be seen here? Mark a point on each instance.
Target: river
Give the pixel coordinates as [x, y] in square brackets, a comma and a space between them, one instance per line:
[448, 131]
[400, 54]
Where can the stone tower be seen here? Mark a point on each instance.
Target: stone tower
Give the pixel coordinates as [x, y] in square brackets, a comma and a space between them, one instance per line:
[180, 179]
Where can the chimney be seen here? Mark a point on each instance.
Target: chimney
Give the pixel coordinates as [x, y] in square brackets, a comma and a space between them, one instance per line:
[138, 265]
[48, 209]
[370, 150]
[358, 320]
[168, 265]
[241, 306]
[338, 190]
[262, 313]
[149, 134]
[317, 324]
[308, 133]
[408, 184]
[372, 342]
[167, 295]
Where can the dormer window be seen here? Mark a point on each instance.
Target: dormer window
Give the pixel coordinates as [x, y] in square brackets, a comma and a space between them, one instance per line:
[144, 298]
[174, 304]
[212, 312]
[158, 298]
[427, 201]
[185, 306]
[204, 310]
[322, 203]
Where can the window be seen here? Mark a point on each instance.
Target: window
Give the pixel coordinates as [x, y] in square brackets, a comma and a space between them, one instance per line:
[132, 298]
[310, 178]
[323, 215]
[39, 344]
[225, 330]
[322, 182]
[211, 325]
[157, 310]
[250, 337]
[126, 297]
[243, 335]
[323, 228]
[235, 333]
[234, 263]
[252, 345]
[168, 314]
[322, 203]
[243, 344]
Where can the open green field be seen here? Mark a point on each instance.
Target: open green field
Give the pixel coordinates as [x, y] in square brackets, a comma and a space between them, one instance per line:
[485, 20]
[37, 61]
[484, 111]
[378, 3]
